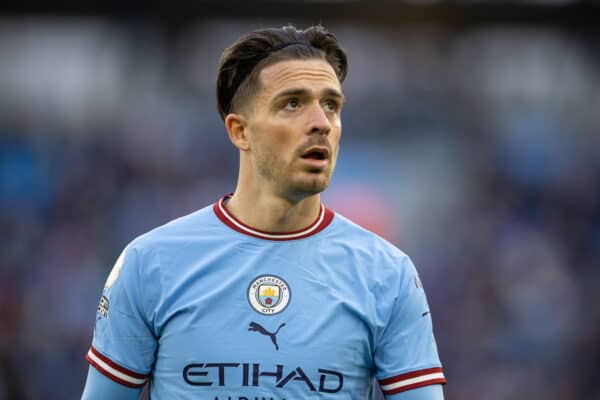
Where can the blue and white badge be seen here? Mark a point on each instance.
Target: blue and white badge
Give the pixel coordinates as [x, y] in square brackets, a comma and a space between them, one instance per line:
[269, 294]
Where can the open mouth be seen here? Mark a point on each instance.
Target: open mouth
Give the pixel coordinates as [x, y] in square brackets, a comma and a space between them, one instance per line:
[320, 153]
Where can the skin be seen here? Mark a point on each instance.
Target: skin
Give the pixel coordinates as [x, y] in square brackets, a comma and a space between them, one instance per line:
[297, 106]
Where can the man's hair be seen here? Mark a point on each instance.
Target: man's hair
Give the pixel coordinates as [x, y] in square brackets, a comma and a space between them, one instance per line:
[241, 63]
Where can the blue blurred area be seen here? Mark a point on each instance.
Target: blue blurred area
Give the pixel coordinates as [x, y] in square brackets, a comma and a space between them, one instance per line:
[475, 151]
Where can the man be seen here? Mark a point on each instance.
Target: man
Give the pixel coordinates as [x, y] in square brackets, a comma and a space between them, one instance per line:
[267, 294]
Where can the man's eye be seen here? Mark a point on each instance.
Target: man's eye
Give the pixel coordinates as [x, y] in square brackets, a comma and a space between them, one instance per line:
[331, 106]
[292, 104]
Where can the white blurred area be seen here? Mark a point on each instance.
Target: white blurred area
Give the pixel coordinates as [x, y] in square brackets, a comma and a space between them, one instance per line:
[475, 150]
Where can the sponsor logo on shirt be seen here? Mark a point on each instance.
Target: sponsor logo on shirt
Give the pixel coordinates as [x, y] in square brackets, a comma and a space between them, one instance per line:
[256, 375]
[103, 307]
[269, 294]
[256, 327]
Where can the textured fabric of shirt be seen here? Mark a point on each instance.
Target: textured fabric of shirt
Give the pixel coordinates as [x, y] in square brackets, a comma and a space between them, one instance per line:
[206, 307]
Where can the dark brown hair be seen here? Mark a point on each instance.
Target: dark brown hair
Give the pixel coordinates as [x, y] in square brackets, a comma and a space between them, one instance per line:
[241, 63]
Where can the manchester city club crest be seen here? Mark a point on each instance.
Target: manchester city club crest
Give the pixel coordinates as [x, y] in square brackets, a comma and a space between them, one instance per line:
[269, 294]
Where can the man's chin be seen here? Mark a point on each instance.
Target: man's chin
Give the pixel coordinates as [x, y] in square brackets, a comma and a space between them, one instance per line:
[310, 185]
[314, 185]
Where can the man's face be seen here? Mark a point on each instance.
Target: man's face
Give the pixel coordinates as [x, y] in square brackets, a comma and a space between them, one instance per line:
[294, 127]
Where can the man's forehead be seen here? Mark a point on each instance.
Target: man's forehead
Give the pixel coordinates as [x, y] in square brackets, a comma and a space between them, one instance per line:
[313, 72]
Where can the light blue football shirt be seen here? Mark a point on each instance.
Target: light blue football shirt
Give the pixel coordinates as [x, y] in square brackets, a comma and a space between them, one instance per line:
[206, 307]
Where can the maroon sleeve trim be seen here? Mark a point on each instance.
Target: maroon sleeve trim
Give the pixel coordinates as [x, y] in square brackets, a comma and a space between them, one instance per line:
[411, 380]
[114, 371]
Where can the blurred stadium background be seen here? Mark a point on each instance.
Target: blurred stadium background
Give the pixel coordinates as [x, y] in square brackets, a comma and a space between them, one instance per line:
[471, 140]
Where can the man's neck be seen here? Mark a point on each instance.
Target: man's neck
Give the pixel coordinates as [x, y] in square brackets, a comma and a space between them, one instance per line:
[271, 213]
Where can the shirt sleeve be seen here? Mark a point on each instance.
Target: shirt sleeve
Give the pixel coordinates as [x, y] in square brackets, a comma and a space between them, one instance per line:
[429, 392]
[99, 387]
[123, 347]
[406, 355]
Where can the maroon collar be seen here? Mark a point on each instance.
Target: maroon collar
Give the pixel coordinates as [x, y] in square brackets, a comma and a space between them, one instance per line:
[323, 220]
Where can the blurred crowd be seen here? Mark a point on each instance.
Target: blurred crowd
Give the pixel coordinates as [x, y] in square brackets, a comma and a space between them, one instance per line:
[475, 151]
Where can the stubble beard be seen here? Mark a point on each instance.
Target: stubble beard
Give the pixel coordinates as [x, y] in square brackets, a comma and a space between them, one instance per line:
[288, 180]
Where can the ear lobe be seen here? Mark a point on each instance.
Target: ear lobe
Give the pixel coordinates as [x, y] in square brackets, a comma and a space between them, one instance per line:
[236, 130]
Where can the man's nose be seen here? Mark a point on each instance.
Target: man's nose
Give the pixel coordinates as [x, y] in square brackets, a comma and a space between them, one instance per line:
[319, 122]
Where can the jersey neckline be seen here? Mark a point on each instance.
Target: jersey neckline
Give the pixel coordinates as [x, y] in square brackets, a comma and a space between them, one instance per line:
[323, 219]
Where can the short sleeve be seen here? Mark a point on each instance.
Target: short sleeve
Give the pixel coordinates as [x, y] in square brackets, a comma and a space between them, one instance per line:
[123, 347]
[406, 355]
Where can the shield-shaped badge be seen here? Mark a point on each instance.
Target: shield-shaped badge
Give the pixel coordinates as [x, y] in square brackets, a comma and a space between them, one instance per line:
[268, 295]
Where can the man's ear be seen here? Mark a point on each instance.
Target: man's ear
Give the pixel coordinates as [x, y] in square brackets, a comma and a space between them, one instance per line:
[236, 125]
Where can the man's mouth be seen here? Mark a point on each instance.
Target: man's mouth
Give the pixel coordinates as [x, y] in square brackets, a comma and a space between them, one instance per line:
[316, 153]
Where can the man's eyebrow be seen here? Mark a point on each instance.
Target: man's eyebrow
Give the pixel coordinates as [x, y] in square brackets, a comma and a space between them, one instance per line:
[334, 93]
[291, 92]
[329, 92]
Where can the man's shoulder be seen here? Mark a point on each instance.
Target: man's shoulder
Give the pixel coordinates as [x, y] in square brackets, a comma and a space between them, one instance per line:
[382, 262]
[363, 239]
[198, 224]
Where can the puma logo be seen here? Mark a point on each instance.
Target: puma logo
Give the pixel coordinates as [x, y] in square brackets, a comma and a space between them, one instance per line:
[258, 328]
